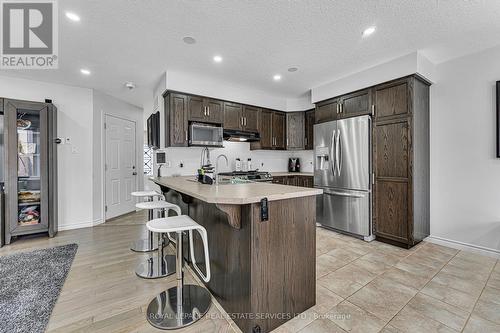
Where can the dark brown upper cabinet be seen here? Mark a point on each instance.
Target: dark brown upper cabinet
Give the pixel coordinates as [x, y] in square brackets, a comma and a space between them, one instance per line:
[355, 104]
[279, 130]
[309, 128]
[272, 131]
[233, 116]
[266, 132]
[351, 105]
[176, 120]
[241, 117]
[391, 100]
[203, 109]
[327, 110]
[295, 130]
[251, 118]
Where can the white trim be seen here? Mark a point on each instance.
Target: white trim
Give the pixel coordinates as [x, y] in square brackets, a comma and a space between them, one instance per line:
[464, 246]
[80, 225]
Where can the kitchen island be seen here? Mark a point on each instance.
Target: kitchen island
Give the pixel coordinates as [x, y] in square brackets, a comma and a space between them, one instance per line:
[263, 272]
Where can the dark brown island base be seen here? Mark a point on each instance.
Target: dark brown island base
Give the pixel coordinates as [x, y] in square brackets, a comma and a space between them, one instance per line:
[263, 272]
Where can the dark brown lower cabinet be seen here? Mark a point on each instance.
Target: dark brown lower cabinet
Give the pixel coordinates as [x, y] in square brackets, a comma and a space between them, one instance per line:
[294, 180]
[401, 161]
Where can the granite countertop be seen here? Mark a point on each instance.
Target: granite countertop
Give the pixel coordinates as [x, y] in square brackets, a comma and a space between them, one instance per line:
[236, 194]
[285, 173]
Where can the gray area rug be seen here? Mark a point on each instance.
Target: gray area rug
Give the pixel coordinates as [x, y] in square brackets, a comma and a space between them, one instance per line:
[30, 283]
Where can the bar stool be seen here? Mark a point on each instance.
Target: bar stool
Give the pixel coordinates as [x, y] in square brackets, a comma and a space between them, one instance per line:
[181, 305]
[162, 265]
[145, 245]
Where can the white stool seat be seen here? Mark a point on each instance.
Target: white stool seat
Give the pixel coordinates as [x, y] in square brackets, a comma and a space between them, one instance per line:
[145, 194]
[179, 224]
[172, 224]
[160, 204]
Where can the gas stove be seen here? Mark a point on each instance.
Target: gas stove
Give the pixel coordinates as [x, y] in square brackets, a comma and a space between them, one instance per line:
[246, 176]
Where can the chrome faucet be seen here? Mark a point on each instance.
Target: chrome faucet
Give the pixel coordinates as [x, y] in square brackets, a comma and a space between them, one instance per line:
[216, 167]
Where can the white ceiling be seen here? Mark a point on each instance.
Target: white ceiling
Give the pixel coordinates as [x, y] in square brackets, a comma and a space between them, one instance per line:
[137, 40]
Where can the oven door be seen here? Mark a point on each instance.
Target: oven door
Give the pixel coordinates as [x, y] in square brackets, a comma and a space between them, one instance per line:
[205, 135]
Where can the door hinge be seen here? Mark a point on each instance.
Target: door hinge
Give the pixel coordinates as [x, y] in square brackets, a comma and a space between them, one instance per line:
[373, 110]
[105, 126]
[106, 208]
[106, 167]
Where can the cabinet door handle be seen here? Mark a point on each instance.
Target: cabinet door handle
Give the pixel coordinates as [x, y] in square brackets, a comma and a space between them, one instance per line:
[205, 111]
[186, 135]
[208, 111]
[337, 109]
[341, 108]
[245, 120]
[241, 121]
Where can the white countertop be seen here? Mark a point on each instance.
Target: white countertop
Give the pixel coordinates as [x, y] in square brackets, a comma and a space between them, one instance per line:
[236, 194]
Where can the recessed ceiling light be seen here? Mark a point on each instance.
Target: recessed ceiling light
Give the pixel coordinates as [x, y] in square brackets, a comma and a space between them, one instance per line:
[293, 69]
[85, 71]
[189, 40]
[73, 17]
[368, 31]
[277, 77]
[217, 58]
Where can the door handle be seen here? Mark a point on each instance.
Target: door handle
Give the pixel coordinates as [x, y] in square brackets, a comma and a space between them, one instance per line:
[338, 153]
[134, 173]
[332, 153]
[343, 194]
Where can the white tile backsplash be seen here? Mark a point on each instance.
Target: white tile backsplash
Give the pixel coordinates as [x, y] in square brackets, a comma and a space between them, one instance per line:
[264, 160]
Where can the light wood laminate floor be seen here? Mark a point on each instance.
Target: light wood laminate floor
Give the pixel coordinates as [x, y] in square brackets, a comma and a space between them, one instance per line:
[362, 287]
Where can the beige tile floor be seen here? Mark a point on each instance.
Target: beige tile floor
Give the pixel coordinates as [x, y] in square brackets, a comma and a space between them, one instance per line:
[374, 287]
[361, 287]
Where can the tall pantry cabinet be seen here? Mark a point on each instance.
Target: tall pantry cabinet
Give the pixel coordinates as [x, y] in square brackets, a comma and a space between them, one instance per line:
[401, 161]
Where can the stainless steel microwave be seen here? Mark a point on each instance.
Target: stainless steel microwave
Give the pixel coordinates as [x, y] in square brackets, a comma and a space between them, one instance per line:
[205, 135]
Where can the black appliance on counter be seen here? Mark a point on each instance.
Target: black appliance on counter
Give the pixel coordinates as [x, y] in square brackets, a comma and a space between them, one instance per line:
[294, 164]
[28, 167]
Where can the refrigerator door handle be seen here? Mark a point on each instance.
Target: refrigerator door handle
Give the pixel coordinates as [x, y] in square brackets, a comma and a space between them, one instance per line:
[338, 153]
[333, 154]
[343, 194]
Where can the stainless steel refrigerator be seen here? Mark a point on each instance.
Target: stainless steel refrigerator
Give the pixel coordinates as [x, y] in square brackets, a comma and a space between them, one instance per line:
[342, 168]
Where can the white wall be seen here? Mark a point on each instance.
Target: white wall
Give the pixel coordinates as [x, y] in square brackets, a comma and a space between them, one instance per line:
[74, 159]
[403, 66]
[465, 174]
[106, 105]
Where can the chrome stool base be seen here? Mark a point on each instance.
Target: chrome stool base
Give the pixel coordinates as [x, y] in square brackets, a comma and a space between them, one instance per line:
[152, 269]
[164, 311]
[143, 245]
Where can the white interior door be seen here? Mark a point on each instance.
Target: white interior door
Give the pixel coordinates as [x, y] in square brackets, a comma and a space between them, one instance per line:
[120, 166]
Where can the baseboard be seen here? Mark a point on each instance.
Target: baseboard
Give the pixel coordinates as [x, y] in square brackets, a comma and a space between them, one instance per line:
[464, 246]
[79, 225]
[97, 222]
